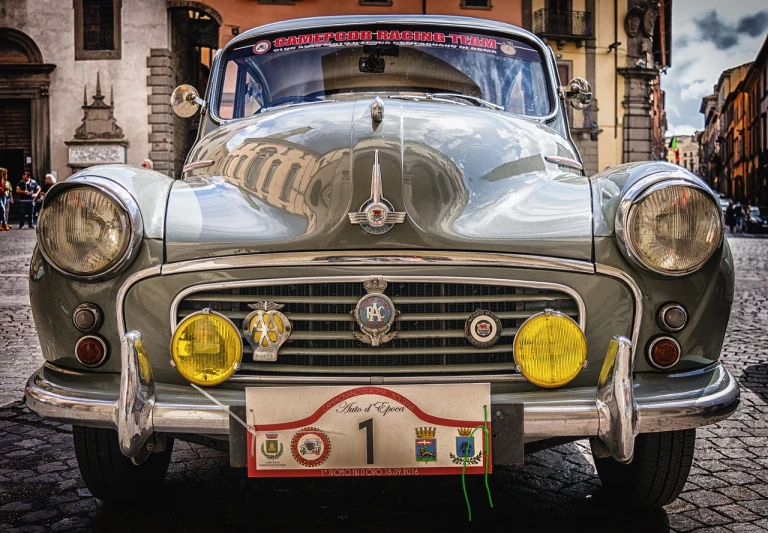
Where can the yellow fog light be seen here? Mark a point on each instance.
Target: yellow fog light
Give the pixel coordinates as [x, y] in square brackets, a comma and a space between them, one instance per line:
[206, 348]
[550, 349]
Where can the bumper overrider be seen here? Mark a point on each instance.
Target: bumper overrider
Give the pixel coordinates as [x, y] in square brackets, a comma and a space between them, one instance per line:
[620, 407]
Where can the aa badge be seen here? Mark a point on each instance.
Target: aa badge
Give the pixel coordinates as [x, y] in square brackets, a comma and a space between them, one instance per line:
[426, 445]
[266, 329]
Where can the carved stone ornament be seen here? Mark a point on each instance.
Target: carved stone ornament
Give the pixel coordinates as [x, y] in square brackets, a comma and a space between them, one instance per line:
[632, 20]
[99, 120]
[96, 154]
[649, 18]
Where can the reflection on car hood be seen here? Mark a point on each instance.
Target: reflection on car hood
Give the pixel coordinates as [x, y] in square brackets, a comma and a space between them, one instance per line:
[467, 178]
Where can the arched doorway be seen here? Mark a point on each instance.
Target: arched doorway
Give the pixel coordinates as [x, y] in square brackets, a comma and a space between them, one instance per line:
[194, 41]
[24, 80]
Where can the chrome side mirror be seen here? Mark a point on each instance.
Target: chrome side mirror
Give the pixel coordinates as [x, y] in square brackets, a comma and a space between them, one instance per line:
[578, 93]
[185, 101]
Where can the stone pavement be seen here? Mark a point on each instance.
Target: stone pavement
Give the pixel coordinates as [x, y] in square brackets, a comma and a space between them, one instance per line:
[556, 490]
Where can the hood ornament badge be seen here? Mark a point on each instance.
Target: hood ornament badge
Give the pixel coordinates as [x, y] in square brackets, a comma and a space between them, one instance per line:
[375, 313]
[377, 216]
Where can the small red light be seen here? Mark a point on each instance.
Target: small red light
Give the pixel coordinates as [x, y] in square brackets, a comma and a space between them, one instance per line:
[665, 353]
[90, 351]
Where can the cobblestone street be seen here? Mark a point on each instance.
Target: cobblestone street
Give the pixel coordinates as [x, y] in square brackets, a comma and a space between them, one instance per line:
[557, 489]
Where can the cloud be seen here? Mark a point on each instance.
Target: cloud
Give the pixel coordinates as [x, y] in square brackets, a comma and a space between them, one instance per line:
[696, 90]
[726, 35]
[754, 26]
[682, 129]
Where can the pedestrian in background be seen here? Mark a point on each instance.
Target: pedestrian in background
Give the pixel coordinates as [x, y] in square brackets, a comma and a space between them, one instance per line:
[147, 163]
[50, 181]
[5, 195]
[738, 212]
[730, 216]
[26, 194]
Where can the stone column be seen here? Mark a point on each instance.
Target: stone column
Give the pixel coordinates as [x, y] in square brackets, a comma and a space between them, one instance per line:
[160, 82]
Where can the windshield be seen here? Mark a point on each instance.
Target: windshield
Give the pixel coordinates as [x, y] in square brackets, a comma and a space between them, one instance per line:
[282, 69]
[754, 211]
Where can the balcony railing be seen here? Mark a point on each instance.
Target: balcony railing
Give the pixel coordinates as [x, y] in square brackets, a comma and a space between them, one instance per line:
[563, 24]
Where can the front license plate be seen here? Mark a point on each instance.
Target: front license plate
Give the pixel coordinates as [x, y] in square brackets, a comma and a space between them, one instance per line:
[409, 430]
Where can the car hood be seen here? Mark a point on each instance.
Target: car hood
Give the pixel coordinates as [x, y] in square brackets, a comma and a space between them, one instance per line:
[467, 179]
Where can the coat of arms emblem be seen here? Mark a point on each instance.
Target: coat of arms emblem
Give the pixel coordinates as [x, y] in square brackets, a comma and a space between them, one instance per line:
[426, 445]
[266, 329]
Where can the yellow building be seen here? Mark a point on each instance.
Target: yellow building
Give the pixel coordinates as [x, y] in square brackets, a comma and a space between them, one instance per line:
[619, 47]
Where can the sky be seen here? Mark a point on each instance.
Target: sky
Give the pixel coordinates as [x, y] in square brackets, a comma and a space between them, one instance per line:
[708, 36]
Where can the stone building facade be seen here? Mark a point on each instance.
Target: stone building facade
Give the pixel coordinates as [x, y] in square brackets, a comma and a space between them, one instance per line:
[734, 144]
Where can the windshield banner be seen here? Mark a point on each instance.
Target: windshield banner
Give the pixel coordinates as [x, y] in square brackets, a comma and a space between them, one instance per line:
[429, 38]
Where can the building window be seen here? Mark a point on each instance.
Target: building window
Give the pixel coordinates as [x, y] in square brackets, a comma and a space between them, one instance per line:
[375, 2]
[97, 29]
[476, 4]
[285, 194]
[270, 175]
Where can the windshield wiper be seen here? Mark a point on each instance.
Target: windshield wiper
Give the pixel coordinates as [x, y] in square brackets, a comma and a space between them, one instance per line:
[445, 97]
[291, 104]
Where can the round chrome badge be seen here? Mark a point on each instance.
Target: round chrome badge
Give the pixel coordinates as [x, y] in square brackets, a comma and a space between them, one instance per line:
[483, 328]
[375, 311]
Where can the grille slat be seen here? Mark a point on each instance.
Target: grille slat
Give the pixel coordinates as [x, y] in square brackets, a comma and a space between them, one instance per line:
[430, 327]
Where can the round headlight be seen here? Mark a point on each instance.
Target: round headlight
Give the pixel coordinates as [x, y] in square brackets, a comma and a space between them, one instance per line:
[206, 348]
[550, 349]
[671, 227]
[88, 231]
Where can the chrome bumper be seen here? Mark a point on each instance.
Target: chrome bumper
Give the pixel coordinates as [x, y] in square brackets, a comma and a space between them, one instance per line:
[615, 412]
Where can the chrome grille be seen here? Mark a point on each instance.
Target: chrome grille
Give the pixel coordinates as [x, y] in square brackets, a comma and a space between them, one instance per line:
[430, 325]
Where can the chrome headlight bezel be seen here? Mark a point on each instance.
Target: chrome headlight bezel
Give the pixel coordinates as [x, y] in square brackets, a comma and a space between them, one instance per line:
[641, 190]
[122, 198]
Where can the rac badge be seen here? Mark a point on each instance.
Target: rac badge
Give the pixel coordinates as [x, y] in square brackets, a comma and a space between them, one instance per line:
[266, 329]
[376, 216]
[483, 328]
[375, 314]
[310, 447]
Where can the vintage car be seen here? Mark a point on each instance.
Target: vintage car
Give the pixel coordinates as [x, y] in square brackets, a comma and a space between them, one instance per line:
[383, 257]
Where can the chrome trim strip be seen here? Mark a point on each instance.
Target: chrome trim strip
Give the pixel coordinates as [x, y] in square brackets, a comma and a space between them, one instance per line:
[129, 282]
[119, 195]
[394, 279]
[368, 258]
[564, 161]
[638, 296]
[203, 163]
[379, 380]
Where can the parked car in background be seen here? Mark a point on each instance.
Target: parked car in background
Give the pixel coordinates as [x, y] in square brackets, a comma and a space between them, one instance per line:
[757, 222]
[382, 239]
[724, 201]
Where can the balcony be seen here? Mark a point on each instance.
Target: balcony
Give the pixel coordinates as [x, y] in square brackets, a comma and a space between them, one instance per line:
[562, 26]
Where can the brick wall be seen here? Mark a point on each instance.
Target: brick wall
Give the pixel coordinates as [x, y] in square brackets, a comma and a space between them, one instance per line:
[160, 83]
